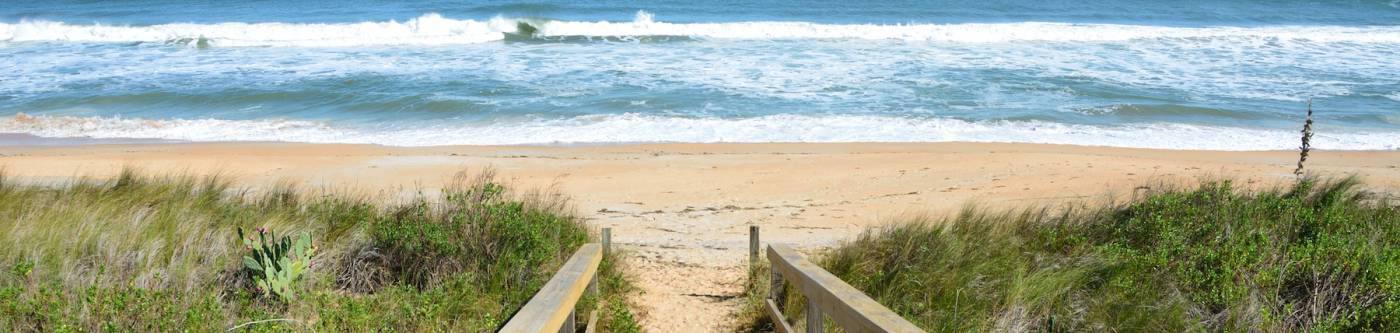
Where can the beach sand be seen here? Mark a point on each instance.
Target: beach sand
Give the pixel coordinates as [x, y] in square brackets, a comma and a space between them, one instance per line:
[681, 211]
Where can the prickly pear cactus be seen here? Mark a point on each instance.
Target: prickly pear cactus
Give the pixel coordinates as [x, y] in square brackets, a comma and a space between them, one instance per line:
[276, 263]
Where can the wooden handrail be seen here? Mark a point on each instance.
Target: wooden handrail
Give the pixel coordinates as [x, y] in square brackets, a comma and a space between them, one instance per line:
[827, 294]
[552, 308]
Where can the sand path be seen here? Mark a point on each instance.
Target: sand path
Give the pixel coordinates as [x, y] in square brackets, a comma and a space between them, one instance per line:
[681, 211]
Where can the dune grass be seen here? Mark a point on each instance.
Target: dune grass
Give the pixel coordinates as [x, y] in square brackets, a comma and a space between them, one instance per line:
[1317, 256]
[160, 253]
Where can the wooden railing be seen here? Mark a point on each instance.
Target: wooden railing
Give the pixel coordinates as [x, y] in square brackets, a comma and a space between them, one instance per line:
[826, 295]
[552, 308]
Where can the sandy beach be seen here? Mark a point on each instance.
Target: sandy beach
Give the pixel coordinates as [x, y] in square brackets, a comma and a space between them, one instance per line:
[682, 211]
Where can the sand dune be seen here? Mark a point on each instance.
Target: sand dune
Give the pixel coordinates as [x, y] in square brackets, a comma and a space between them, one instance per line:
[682, 211]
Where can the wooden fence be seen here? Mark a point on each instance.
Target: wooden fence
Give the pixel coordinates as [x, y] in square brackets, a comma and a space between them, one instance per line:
[552, 308]
[826, 295]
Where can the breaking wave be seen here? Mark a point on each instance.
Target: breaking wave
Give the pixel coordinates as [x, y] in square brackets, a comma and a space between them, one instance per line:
[430, 29]
[434, 29]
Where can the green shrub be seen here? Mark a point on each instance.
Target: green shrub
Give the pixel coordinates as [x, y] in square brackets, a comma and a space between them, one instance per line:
[508, 246]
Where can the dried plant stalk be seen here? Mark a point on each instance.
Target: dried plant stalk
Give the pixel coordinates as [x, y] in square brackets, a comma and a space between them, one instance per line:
[1307, 139]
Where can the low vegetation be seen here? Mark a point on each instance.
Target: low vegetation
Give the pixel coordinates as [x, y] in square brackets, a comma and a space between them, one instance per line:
[1317, 256]
[144, 253]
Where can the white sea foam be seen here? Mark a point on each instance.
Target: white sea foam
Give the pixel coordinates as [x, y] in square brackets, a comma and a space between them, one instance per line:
[178, 129]
[430, 29]
[642, 128]
[645, 25]
[433, 29]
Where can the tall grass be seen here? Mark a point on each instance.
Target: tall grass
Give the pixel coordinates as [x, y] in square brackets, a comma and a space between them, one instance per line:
[159, 253]
[1317, 256]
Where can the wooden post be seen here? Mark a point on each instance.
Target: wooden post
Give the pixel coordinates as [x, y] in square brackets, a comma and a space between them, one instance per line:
[568, 326]
[607, 242]
[607, 248]
[775, 286]
[814, 317]
[593, 285]
[753, 246]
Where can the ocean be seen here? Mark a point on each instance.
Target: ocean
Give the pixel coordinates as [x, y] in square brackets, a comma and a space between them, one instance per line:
[1210, 74]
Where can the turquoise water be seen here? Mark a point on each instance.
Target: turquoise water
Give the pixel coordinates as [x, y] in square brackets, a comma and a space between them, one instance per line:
[1233, 75]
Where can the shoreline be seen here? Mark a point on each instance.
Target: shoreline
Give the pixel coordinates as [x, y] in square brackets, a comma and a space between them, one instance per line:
[681, 211]
[9, 139]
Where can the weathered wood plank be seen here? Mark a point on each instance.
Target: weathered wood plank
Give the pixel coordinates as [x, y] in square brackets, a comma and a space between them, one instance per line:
[779, 322]
[814, 316]
[592, 322]
[554, 304]
[847, 306]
